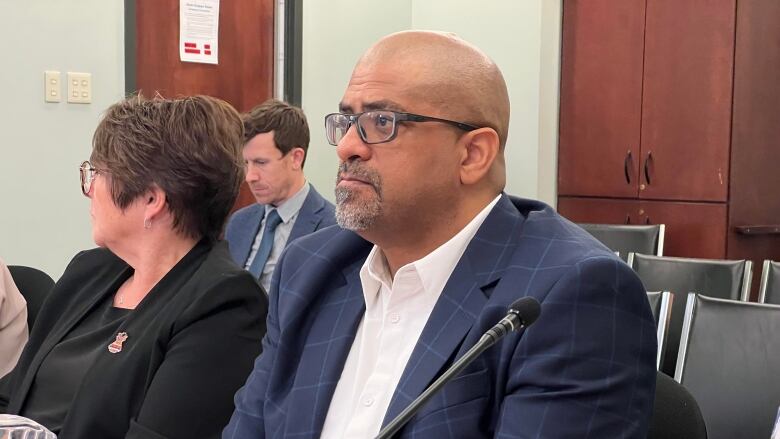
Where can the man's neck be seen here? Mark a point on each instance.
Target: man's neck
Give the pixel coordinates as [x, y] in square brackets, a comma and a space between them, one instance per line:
[414, 239]
[294, 189]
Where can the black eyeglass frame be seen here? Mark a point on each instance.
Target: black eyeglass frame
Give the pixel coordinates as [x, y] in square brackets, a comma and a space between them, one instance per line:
[399, 116]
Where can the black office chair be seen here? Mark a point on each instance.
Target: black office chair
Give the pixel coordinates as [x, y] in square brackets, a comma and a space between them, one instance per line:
[676, 414]
[714, 278]
[661, 305]
[730, 362]
[624, 239]
[34, 285]
[770, 283]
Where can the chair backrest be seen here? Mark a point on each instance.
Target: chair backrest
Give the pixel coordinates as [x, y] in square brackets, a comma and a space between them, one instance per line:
[34, 285]
[714, 278]
[624, 239]
[676, 414]
[730, 362]
[770, 283]
[661, 305]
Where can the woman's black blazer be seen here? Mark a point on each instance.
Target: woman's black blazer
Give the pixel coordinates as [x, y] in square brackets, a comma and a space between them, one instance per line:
[191, 344]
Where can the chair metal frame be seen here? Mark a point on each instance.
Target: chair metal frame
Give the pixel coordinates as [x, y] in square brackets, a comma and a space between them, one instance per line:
[767, 268]
[690, 308]
[664, 316]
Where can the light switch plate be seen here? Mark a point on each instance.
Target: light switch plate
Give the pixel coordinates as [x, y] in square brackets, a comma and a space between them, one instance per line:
[51, 86]
[79, 88]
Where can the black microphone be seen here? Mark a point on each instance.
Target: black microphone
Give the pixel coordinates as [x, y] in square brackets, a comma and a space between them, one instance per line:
[522, 313]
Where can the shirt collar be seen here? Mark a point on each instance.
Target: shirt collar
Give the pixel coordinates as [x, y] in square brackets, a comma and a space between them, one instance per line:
[434, 269]
[289, 207]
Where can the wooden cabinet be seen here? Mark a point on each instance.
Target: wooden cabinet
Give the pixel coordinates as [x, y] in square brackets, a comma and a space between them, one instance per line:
[646, 99]
[669, 108]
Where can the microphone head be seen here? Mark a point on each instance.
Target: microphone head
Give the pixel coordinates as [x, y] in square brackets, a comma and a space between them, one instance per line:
[527, 308]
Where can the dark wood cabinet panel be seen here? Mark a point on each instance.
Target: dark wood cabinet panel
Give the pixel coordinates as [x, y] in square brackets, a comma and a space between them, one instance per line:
[694, 230]
[755, 153]
[686, 109]
[755, 150]
[599, 210]
[601, 97]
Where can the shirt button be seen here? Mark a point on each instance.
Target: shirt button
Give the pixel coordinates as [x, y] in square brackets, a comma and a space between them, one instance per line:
[368, 401]
[395, 318]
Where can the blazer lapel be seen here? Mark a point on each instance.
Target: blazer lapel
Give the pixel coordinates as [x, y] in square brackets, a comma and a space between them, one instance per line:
[309, 216]
[459, 305]
[62, 330]
[252, 228]
[327, 346]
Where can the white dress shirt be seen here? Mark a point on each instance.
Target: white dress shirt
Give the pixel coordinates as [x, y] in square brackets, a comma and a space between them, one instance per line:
[397, 310]
[288, 212]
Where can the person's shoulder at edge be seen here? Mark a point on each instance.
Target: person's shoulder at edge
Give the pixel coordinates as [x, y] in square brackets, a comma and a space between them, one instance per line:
[543, 222]
[221, 281]
[334, 246]
[245, 212]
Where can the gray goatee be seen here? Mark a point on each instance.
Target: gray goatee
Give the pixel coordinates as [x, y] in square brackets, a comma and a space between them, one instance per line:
[352, 211]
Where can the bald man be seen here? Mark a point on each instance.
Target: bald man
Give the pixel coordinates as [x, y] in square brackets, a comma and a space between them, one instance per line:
[430, 253]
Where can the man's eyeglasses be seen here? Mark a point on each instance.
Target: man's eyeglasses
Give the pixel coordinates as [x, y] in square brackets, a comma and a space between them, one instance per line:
[377, 126]
[87, 174]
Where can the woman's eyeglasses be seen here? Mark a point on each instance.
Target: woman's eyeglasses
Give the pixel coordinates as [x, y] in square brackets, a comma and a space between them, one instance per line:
[87, 173]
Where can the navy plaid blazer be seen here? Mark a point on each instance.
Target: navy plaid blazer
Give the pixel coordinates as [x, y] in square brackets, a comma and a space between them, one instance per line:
[585, 369]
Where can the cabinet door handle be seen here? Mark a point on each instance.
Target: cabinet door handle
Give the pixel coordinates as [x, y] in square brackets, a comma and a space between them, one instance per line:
[626, 164]
[628, 219]
[647, 220]
[647, 166]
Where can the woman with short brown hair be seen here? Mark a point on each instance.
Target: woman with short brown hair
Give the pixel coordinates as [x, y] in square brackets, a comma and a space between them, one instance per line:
[151, 334]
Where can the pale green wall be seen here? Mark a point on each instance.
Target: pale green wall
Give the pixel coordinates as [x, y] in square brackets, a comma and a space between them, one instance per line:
[335, 34]
[44, 219]
[522, 36]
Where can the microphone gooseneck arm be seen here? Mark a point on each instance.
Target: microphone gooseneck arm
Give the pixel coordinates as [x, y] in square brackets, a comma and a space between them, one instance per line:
[521, 314]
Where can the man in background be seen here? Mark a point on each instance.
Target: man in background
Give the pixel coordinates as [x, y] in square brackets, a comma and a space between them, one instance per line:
[430, 254]
[276, 139]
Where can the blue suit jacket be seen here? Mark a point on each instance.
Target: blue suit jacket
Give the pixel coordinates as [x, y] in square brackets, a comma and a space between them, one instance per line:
[585, 369]
[242, 227]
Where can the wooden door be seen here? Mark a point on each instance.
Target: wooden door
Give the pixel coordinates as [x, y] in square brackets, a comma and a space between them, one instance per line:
[601, 88]
[244, 75]
[686, 109]
[693, 230]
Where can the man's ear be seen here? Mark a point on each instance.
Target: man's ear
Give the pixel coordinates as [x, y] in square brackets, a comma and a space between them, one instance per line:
[297, 154]
[481, 148]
